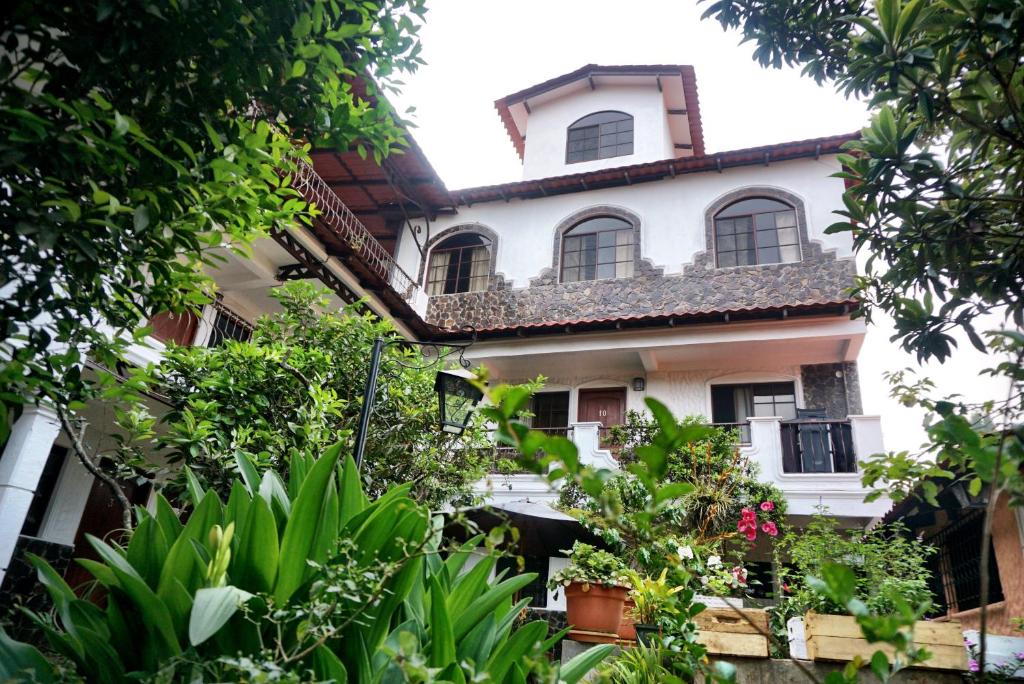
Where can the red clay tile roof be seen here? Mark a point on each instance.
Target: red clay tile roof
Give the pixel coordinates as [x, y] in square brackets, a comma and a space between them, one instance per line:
[840, 307]
[685, 72]
[651, 171]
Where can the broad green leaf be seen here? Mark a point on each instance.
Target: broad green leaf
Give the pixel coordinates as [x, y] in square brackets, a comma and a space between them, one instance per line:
[442, 639]
[211, 609]
[486, 604]
[22, 662]
[328, 667]
[147, 550]
[301, 529]
[577, 668]
[521, 643]
[353, 500]
[254, 565]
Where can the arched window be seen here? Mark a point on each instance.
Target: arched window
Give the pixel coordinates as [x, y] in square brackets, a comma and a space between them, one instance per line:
[597, 248]
[756, 231]
[599, 136]
[461, 263]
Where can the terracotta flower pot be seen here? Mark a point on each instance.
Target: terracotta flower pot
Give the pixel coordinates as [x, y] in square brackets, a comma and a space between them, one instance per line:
[594, 607]
[626, 629]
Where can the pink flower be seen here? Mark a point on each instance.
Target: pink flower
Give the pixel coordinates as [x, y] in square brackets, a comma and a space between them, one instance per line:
[973, 665]
[770, 529]
[747, 514]
[767, 506]
[752, 535]
[740, 574]
[786, 588]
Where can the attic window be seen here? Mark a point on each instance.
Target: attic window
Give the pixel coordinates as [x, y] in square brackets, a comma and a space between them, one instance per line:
[756, 231]
[599, 136]
[460, 264]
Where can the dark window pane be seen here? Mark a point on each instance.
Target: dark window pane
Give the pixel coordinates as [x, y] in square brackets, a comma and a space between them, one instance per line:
[588, 271]
[606, 255]
[764, 221]
[753, 206]
[606, 239]
[768, 255]
[767, 238]
[744, 241]
[590, 241]
[746, 258]
[727, 259]
[570, 275]
[725, 227]
[727, 243]
[606, 271]
[572, 244]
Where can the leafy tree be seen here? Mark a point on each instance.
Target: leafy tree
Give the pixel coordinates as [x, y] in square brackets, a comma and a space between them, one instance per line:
[936, 198]
[296, 387]
[134, 138]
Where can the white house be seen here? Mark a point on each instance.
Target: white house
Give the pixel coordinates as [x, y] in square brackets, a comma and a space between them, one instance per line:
[628, 262]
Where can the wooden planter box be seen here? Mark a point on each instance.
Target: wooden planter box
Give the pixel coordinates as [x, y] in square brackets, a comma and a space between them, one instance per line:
[724, 631]
[838, 637]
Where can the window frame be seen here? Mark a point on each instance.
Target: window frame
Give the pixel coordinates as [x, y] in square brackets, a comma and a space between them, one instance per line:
[484, 241]
[580, 126]
[753, 232]
[627, 227]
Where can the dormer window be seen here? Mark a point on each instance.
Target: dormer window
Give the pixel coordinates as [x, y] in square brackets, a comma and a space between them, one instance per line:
[756, 231]
[599, 136]
[598, 248]
[459, 264]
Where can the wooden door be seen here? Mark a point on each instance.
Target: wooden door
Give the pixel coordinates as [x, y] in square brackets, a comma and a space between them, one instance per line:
[605, 406]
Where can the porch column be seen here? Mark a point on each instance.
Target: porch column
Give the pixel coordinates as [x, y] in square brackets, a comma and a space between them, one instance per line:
[587, 438]
[21, 465]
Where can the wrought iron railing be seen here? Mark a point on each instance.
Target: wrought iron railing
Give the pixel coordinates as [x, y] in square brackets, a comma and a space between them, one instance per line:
[505, 459]
[224, 324]
[347, 226]
[818, 446]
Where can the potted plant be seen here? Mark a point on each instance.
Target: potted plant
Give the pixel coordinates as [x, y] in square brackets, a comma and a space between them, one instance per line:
[595, 586]
[654, 601]
[890, 568]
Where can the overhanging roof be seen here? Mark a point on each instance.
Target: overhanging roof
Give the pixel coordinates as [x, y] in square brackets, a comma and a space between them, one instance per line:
[677, 82]
[652, 171]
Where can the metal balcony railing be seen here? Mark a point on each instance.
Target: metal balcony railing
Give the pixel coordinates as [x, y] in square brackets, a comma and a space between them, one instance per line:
[504, 459]
[347, 226]
[817, 446]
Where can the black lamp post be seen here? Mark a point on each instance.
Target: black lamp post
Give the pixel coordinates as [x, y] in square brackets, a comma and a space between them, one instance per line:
[456, 395]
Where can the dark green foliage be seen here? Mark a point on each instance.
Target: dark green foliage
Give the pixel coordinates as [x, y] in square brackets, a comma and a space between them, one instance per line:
[297, 386]
[323, 585]
[133, 140]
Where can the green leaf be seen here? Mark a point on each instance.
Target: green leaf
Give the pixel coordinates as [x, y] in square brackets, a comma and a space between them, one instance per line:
[298, 68]
[246, 468]
[328, 666]
[880, 666]
[442, 639]
[521, 643]
[576, 669]
[18, 660]
[211, 609]
[254, 565]
[303, 524]
[488, 602]
[353, 500]
[147, 550]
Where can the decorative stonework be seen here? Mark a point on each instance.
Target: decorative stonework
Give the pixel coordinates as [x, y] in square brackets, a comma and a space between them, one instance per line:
[834, 387]
[727, 289]
[495, 281]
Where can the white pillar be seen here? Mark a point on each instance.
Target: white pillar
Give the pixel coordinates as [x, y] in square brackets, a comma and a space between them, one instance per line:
[866, 432]
[21, 465]
[587, 438]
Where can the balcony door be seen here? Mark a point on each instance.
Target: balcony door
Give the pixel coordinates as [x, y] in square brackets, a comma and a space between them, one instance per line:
[550, 412]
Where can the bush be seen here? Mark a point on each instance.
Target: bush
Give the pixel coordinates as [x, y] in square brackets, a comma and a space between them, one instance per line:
[289, 581]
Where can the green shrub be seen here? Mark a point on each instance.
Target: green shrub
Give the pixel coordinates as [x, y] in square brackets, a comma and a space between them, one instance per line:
[290, 581]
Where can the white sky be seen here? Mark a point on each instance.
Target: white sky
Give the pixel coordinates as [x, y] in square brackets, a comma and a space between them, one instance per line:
[480, 50]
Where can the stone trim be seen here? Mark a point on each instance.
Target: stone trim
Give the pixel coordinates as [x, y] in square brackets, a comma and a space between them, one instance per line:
[495, 281]
[809, 251]
[552, 275]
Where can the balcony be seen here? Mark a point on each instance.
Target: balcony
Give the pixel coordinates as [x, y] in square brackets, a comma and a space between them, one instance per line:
[813, 462]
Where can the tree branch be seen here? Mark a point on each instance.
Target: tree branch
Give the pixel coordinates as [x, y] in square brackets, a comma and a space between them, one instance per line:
[90, 465]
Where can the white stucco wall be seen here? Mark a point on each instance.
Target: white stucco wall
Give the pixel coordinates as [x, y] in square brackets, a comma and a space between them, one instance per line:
[671, 212]
[544, 154]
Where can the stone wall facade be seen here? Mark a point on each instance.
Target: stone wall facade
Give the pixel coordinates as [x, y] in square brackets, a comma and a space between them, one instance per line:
[703, 287]
[834, 387]
[698, 290]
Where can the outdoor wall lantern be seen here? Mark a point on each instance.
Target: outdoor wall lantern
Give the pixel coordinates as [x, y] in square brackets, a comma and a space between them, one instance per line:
[639, 384]
[457, 397]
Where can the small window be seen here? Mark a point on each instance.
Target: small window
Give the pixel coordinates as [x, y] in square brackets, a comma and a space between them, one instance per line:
[599, 136]
[596, 249]
[733, 405]
[462, 263]
[756, 231]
